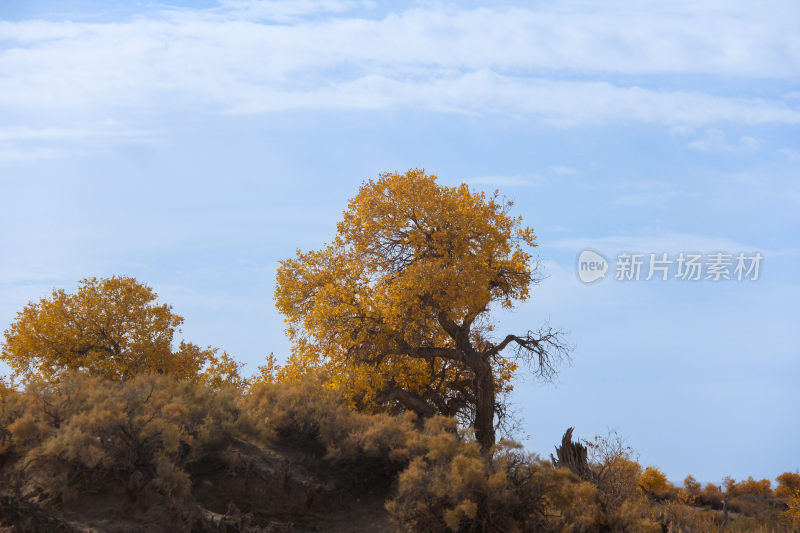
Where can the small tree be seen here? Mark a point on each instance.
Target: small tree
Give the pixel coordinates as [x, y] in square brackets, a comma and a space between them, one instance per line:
[692, 487]
[397, 309]
[788, 485]
[653, 481]
[111, 328]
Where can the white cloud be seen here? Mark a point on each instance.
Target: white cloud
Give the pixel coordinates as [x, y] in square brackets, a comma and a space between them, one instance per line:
[27, 144]
[563, 103]
[652, 193]
[108, 129]
[790, 153]
[10, 156]
[562, 170]
[549, 62]
[281, 10]
[31, 275]
[656, 243]
[715, 140]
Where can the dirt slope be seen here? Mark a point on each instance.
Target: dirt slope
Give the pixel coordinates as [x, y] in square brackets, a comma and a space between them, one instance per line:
[252, 489]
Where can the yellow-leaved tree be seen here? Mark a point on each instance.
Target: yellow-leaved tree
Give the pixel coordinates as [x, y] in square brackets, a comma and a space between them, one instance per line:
[397, 309]
[653, 481]
[112, 328]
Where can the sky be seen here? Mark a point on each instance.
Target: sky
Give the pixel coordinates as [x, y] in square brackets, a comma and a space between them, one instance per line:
[193, 145]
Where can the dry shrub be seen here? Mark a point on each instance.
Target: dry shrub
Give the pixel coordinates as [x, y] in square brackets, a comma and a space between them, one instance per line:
[710, 496]
[447, 483]
[305, 413]
[754, 499]
[678, 517]
[452, 486]
[87, 434]
[616, 473]
[309, 416]
[145, 436]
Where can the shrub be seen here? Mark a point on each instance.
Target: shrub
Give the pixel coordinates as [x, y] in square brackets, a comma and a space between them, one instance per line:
[454, 487]
[711, 495]
[91, 434]
[307, 414]
[614, 470]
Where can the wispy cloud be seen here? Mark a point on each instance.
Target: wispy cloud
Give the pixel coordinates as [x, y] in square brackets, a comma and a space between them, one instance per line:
[650, 193]
[28, 154]
[28, 144]
[562, 170]
[669, 242]
[547, 62]
[790, 153]
[715, 140]
[22, 276]
[282, 10]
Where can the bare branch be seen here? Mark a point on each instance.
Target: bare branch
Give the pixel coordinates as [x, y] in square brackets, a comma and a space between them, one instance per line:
[542, 350]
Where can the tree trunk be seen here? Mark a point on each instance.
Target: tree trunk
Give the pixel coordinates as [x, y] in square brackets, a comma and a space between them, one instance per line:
[484, 408]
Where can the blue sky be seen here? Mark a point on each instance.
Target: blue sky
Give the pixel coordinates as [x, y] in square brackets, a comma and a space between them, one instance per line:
[195, 144]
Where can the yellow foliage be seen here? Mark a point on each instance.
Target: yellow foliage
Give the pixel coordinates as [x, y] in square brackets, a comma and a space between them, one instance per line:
[792, 511]
[789, 490]
[749, 486]
[683, 496]
[267, 373]
[691, 486]
[653, 481]
[111, 328]
[406, 285]
[788, 484]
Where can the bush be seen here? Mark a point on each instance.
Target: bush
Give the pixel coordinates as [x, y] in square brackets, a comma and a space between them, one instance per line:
[452, 486]
[184, 453]
[363, 448]
[711, 496]
[90, 434]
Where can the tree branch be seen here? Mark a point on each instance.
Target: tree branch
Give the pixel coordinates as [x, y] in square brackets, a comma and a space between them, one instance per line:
[407, 400]
[431, 352]
[541, 350]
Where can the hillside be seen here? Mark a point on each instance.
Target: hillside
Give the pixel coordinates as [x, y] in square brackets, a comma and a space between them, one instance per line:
[156, 454]
[70, 462]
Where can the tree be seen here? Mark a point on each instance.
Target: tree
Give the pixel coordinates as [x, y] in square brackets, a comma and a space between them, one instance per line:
[397, 309]
[789, 490]
[788, 485]
[692, 486]
[111, 328]
[653, 481]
